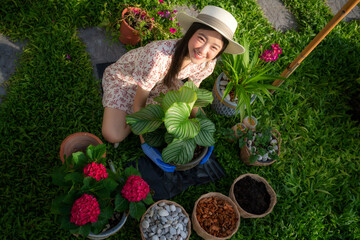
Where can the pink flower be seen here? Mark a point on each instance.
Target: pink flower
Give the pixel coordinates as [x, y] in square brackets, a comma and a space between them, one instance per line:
[167, 14]
[136, 11]
[161, 13]
[67, 56]
[175, 11]
[171, 19]
[135, 189]
[269, 56]
[173, 30]
[178, 24]
[161, 1]
[85, 209]
[95, 170]
[276, 48]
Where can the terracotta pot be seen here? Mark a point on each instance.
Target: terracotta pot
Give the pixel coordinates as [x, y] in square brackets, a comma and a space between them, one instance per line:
[168, 203]
[245, 152]
[196, 225]
[129, 35]
[78, 142]
[270, 190]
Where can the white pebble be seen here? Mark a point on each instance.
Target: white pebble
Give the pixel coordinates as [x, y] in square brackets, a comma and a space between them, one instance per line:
[163, 213]
[145, 224]
[172, 208]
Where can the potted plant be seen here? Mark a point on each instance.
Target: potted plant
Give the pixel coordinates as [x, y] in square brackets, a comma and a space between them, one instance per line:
[215, 216]
[92, 196]
[259, 148]
[77, 142]
[135, 23]
[242, 79]
[169, 124]
[253, 196]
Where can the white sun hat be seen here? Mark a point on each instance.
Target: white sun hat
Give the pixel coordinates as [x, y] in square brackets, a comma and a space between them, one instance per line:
[220, 20]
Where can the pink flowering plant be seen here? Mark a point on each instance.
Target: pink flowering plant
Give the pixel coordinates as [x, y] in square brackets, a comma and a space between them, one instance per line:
[90, 192]
[247, 77]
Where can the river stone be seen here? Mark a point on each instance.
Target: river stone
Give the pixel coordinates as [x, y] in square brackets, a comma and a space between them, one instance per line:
[163, 213]
[184, 235]
[172, 207]
[145, 224]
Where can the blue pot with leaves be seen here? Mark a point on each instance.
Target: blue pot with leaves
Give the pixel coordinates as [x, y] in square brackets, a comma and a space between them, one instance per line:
[173, 125]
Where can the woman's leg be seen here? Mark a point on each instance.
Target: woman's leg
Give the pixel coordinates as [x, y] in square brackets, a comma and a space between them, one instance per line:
[114, 127]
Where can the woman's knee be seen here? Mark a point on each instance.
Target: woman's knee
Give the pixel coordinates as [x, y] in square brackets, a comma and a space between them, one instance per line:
[114, 136]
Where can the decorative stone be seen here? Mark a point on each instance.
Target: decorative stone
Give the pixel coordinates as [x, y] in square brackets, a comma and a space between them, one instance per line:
[155, 237]
[145, 224]
[173, 208]
[163, 213]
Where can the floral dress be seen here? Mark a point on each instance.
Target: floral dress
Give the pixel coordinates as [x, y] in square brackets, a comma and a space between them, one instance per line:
[146, 67]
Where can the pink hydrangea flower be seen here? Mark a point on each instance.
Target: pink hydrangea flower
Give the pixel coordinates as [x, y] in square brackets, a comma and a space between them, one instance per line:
[135, 189]
[173, 30]
[95, 170]
[85, 209]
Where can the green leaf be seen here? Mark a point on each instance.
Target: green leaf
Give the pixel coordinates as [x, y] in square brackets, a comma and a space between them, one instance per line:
[169, 138]
[109, 184]
[89, 152]
[131, 171]
[99, 225]
[98, 151]
[79, 158]
[204, 97]
[253, 158]
[155, 138]
[148, 200]
[205, 137]
[74, 177]
[137, 209]
[58, 177]
[121, 204]
[71, 196]
[148, 119]
[177, 121]
[179, 151]
[184, 95]
[57, 204]
[85, 229]
[106, 213]
[88, 182]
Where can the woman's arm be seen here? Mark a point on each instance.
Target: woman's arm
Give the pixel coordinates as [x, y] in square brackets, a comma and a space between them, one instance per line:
[140, 102]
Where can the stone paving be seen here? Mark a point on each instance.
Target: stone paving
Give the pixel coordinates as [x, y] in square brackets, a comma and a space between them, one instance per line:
[103, 51]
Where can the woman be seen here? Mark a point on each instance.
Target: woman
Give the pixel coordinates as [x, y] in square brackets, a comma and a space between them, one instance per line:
[141, 74]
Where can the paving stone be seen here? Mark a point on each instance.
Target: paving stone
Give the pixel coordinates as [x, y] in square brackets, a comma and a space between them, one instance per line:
[9, 54]
[277, 14]
[101, 49]
[336, 5]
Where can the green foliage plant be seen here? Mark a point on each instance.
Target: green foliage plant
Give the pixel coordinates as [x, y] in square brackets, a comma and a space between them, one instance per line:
[74, 183]
[261, 144]
[169, 122]
[249, 77]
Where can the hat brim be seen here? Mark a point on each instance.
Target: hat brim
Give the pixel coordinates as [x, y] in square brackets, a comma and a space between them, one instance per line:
[185, 22]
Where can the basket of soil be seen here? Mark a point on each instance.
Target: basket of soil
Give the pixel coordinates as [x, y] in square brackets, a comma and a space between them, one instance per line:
[215, 216]
[253, 196]
[165, 220]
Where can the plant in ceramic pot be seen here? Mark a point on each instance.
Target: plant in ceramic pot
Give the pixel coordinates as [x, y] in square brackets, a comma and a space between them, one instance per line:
[169, 123]
[91, 195]
[260, 147]
[243, 78]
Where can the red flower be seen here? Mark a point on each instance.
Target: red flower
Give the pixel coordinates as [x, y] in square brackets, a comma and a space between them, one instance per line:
[85, 209]
[161, 1]
[173, 30]
[135, 189]
[95, 170]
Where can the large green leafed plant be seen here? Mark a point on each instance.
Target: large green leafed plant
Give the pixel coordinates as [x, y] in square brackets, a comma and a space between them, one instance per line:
[169, 122]
[249, 77]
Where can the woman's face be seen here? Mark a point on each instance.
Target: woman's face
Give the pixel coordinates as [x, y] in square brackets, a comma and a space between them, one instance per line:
[204, 46]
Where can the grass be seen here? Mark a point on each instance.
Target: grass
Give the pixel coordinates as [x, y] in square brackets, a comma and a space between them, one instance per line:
[316, 179]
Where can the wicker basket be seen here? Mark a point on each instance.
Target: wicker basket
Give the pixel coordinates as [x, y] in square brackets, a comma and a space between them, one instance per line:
[245, 152]
[168, 203]
[270, 190]
[196, 225]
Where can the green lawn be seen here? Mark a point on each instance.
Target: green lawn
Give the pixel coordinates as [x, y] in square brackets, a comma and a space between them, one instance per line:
[316, 179]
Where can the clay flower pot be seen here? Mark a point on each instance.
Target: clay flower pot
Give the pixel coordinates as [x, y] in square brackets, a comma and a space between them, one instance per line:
[150, 217]
[253, 196]
[77, 142]
[214, 212]
[128, 35]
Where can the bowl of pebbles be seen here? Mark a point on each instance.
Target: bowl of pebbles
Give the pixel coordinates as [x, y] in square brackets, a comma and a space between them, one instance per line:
[165, 220]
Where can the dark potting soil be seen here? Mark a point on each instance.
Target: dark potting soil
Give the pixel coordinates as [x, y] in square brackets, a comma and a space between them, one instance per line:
[252, 195]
